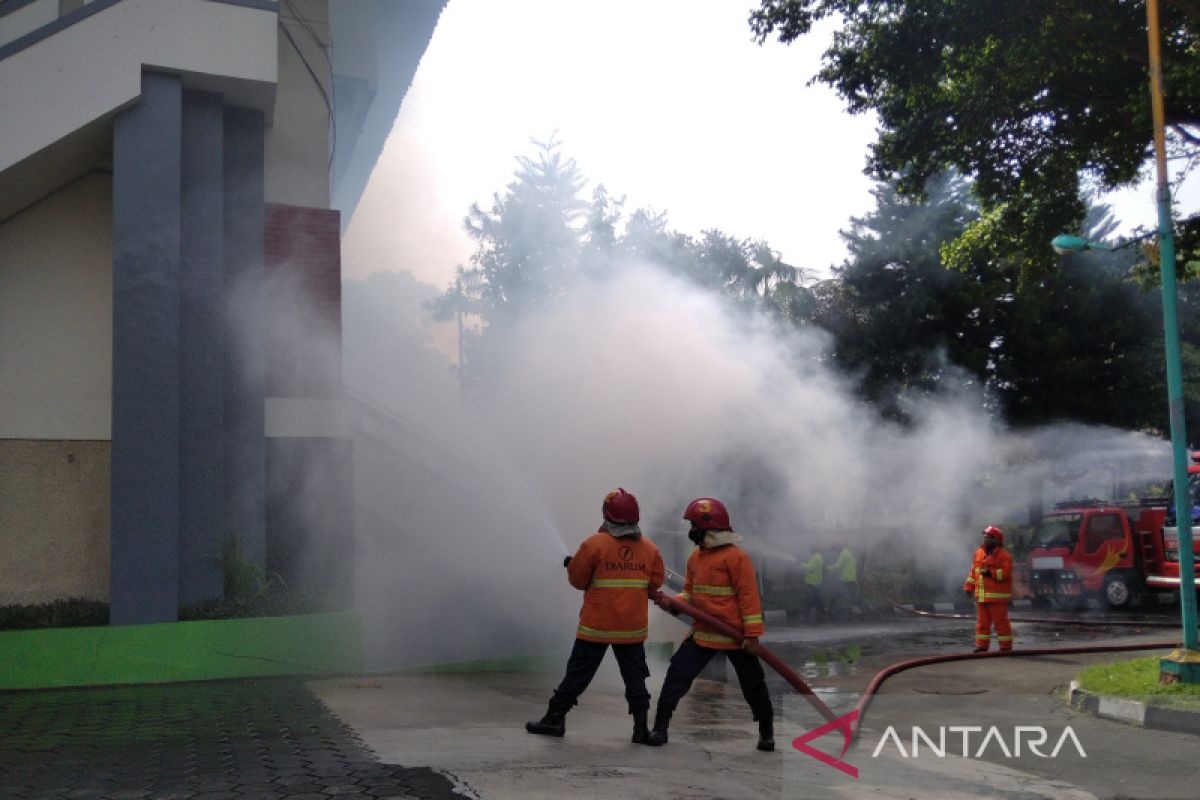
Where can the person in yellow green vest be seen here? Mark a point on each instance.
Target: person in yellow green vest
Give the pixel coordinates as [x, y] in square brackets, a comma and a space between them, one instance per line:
[814, 571]
[843, 585]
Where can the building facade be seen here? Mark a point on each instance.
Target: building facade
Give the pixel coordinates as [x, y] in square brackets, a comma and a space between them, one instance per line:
[174, 179]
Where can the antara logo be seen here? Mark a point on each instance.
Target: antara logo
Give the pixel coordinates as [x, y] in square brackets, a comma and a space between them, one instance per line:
[1032, 737]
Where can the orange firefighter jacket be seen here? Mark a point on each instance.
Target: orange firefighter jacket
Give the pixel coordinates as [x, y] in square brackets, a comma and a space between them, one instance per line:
[616, 576]
[720, 581]
[993, 588]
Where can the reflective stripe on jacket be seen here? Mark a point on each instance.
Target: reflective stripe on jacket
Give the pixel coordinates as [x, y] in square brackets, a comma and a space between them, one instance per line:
[616, 576]
[993, 588]
[721, 582]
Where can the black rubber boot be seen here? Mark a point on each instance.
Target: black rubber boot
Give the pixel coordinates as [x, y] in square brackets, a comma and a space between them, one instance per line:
[658, 736]
[766, 735]
[554, 723]
[641, 733]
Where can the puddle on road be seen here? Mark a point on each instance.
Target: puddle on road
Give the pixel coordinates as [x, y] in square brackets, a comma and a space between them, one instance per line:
[824, 663]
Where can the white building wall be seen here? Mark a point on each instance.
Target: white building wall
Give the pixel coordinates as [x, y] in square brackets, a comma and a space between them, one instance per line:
[297, 141]
[56, 315]
[94, 68]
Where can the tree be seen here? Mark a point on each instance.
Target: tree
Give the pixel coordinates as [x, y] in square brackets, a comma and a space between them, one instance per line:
[1036, 100]
[540, 235]
[527, 250]
[1081, 343]
[901, 322]
[527, 243]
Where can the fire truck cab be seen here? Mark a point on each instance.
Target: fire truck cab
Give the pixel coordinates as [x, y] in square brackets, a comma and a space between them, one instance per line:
[1114, 552]
[1092, 549]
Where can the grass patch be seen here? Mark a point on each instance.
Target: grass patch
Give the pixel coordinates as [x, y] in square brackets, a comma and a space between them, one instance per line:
[1138, 680]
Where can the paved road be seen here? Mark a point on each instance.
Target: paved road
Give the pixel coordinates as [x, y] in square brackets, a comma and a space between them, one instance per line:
[228, 740]
[471, 727]
[462, 736]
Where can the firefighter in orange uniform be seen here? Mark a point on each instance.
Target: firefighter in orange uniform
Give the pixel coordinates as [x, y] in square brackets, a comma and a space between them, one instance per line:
[720, 581]
[990, 582]
[616, 568]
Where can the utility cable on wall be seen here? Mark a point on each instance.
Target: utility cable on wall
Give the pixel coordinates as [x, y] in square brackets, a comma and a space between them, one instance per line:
[325, 95]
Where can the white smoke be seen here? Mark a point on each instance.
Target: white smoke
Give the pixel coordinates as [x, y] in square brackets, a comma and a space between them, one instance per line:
[645, 382]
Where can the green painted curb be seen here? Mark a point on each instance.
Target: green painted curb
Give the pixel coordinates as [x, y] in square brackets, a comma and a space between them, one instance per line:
[311, 644]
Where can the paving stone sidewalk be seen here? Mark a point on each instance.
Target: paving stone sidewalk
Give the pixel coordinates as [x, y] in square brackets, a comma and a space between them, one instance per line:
[226, 740]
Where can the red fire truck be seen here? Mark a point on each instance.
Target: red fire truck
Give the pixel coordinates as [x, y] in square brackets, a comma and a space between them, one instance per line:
[1114, 552]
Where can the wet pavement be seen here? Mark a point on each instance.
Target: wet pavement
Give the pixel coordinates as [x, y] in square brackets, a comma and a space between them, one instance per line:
[228, 740]
[462, 735]
[470, 726]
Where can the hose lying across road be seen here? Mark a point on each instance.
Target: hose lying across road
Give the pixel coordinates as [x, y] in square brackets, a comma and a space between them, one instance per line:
[860, 710]
[912, 663]
[1104, 623]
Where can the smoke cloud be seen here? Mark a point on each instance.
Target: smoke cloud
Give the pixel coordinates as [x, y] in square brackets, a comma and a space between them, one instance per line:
[643, 381]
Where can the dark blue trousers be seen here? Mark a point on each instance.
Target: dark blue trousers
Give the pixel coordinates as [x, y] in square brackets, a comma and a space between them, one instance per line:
[690, 659]
[585, 660]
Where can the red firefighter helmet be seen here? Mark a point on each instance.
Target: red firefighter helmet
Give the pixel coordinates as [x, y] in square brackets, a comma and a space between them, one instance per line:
[707, 514]
[992, 530]
[620, 507]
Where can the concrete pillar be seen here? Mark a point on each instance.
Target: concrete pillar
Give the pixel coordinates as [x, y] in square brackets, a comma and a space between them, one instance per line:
[245, 371]
[145, 380]
[202, 350]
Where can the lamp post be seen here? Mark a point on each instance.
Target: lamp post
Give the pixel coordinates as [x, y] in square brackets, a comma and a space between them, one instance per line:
[1182, 665]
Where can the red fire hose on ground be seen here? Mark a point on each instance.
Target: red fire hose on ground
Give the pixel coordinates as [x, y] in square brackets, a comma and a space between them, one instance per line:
[852, 725]
[1105, 623]
[680, 607]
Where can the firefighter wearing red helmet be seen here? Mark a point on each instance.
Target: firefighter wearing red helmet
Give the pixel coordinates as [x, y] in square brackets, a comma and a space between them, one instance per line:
[616, 568]
[990, 583]
[720, 580]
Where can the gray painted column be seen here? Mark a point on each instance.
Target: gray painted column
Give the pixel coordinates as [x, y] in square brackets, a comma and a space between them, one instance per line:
[145, 375]
[202, 350]
[245, 366]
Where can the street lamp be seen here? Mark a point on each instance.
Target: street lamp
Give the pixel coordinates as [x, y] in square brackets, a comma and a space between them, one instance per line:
[1181, 665]
[1064, 244]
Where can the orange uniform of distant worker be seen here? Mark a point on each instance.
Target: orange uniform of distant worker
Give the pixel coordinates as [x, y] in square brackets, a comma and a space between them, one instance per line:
[990, 583]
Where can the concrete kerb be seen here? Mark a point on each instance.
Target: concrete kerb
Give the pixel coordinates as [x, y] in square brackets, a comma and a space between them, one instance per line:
[1134, 712]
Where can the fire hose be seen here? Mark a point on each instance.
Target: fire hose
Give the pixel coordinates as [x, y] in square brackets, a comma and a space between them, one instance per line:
[678, 606]
[851, 723]
[1116, 623]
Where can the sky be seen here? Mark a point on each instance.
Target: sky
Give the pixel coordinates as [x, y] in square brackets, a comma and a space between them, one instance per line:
[668, 102]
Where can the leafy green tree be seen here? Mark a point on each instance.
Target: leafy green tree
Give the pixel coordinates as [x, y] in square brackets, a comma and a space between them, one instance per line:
[527, 250]
[1083, 343]
[1037, 100]
[901, 322]
[527, 242]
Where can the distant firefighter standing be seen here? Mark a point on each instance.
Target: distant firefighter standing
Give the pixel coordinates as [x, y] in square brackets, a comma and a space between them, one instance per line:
[990, 583]
[616, 568]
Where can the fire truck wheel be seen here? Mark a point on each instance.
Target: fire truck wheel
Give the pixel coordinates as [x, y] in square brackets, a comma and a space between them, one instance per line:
[1117, 591]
